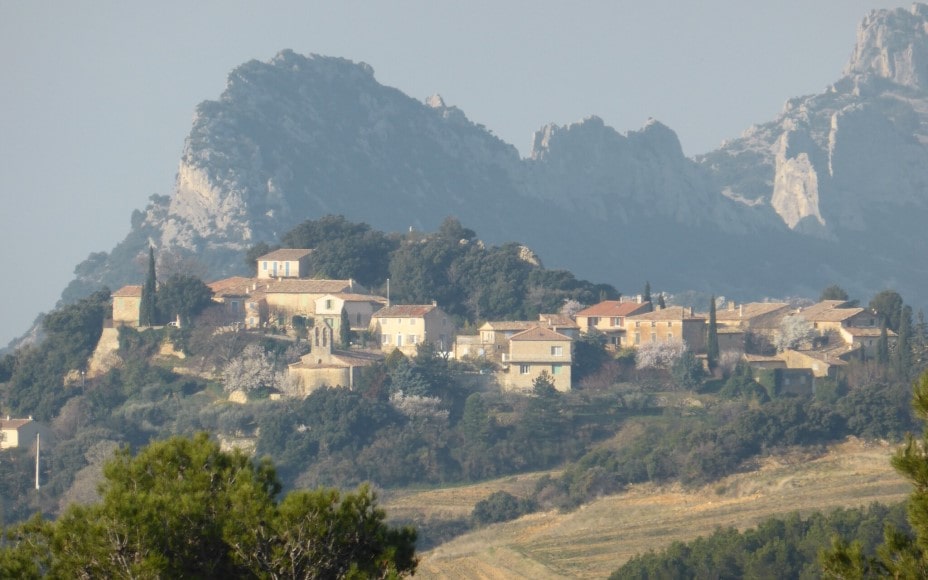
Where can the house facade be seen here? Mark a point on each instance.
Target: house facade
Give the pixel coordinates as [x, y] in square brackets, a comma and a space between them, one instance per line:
[405, 326]
[285, 263]
[284, 299]
[608, 317]
[326, 366]
[358, 307]
[667, 324]
[21, 432]
[533, 352]
[127, 306]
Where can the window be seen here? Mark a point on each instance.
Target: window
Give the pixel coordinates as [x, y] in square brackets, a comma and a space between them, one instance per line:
[669, 336]
[594, 320]
[637, 338]
[557, 351]
[328, 304]
[524, 369]
[399, 340]
[622, 340]
[653, 337]
[286, 268]
[653, 324]
[615, 321]
[264, 266]
[384, 339]
[412, 339]
[637, 324]
[669, 323]
[556, 369]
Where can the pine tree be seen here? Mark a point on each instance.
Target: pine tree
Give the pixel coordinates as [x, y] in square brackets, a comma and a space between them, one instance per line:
[712, 343]
[148, 308]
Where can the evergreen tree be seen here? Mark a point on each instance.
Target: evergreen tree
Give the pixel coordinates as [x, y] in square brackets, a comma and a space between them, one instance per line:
[902, 356]
[646, 296]
[901, 555]
[344, 330]
[833, 292]
[712, 344]
[148, 308]
[660, 301]
[882, 346]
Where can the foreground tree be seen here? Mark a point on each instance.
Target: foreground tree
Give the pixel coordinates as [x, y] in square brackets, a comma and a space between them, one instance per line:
[901, 555]
[184, 508]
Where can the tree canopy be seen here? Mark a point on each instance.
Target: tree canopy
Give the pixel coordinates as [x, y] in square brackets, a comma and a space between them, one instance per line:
[185, 508]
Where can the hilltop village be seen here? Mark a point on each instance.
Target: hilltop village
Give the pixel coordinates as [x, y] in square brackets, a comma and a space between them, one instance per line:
[346, 328]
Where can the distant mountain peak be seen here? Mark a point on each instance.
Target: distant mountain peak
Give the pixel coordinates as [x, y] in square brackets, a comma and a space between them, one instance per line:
[893, 45]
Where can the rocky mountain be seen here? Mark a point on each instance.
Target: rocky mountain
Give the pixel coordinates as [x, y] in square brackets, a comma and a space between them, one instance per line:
[833, 191]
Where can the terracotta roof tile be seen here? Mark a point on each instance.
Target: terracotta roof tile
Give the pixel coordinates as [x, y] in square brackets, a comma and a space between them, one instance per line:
[234, 286]
[539, 333]
[669, 313]
[405, 311]
[312, 286]
[130, 291]
[285, 255]
[615, 308]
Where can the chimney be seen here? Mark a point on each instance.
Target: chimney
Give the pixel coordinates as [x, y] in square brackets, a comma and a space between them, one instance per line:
[691, 311]
[741, 311]
[350, 284]
[638, 299]
[731, 305]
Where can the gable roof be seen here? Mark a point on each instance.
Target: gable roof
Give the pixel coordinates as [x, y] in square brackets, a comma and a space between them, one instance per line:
[312, 286]
[749, 310]
[504, 325]
[354, 297]
[615, 308]
[830, 314]
[557, 320]
[405, 311]
[130, 291]
[15, 424]
[539, 333]
[234, 286]
[669, 313]
[285, 255]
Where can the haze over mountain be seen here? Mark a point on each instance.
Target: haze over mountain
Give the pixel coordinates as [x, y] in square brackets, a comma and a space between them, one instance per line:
[833, 191]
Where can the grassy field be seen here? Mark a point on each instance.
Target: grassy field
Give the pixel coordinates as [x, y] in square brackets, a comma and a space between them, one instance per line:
[594, 540]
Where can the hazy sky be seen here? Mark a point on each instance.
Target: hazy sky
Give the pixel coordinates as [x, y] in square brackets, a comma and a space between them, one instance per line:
[96, 98]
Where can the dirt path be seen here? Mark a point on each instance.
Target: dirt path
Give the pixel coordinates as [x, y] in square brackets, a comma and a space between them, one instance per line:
[594, 540]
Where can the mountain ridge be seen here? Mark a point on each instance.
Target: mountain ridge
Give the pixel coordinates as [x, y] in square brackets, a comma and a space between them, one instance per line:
[298, 137]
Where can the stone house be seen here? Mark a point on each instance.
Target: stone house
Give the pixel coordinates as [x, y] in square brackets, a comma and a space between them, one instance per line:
[284, 299]
[285, 263]
[358, 307]
[326, 366]
[233, 294]
[21, 432]
[127, 306]
[608, 317]
[535, 351]
[666, 324]
[404, 326]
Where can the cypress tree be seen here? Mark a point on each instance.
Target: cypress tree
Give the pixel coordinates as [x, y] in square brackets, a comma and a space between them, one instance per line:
[646, 297]
[902, 356]
[712, 344]
[148, 307]
[660, 301]
[344, 330]
[882, 346]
